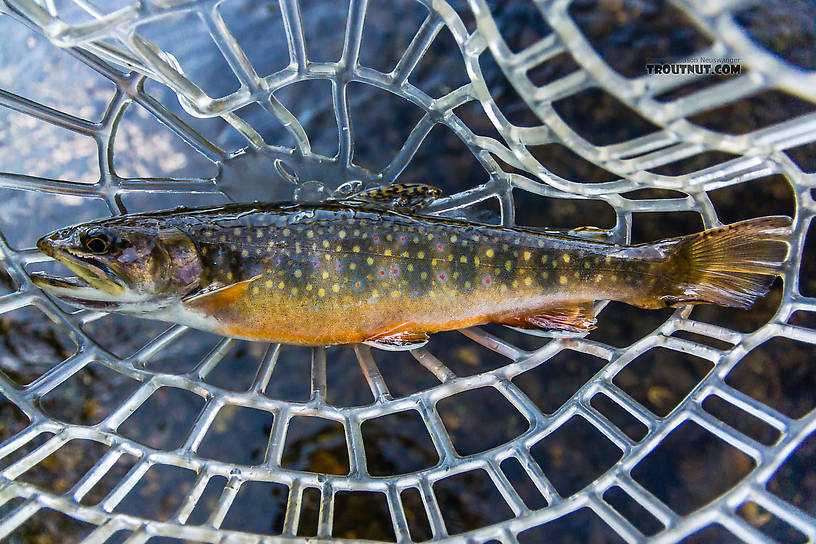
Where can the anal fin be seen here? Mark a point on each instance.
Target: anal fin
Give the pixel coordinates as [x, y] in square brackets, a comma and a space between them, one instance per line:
[402, 340]
[572, 318]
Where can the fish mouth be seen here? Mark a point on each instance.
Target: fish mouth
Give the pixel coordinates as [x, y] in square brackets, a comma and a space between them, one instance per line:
[94, 287]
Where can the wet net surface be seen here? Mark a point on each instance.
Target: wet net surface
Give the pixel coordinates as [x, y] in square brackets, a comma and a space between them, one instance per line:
[694, 425]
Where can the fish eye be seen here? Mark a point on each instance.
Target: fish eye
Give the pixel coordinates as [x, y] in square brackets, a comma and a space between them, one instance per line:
[97, 240]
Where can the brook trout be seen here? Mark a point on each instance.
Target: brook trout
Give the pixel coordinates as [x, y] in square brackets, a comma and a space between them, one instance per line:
[372, 269]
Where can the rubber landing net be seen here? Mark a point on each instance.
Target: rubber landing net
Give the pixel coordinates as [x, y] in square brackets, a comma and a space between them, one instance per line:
[594, 449]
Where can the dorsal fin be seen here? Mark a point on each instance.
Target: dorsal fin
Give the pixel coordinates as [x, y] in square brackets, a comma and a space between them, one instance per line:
[209, 301]
[408, 197]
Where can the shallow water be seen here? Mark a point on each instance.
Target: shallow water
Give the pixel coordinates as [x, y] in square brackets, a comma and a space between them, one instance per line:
[778, 373]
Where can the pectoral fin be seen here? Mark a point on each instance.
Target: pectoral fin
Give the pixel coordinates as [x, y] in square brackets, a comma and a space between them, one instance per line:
[408, 197]
[403, 340]
[575, 318]
[210, 301]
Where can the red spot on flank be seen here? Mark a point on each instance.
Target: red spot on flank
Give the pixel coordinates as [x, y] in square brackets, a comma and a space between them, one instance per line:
[376, 239]
[315, 263]
[442, 277]
[439, 247]
[219, 258]
[402, 239]
[357, 284]
[395, 271]
[382, 272]
[487, 281]
[339, 266]
[277, 261]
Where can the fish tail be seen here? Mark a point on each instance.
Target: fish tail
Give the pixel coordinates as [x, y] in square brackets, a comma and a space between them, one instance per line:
[730, 266]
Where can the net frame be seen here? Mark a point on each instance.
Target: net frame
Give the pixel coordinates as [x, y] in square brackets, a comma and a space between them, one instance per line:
[760, 153]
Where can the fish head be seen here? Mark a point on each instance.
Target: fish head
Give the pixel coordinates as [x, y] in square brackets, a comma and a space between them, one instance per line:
[129, 264]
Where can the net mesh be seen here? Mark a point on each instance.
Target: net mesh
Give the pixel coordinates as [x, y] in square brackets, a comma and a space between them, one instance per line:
[601, 461]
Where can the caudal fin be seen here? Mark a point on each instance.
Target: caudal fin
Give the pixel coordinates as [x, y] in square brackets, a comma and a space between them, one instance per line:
[731, 265]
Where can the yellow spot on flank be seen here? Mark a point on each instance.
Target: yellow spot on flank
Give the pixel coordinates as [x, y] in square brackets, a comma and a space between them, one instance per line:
[309, 287]
[325, 275]
[420, 255]
[237, 232]
[395, 294]
[298, 273]
[336, 288]
[614, 278]
[526, 255]
[453, 239]
[375, 293]
[503, 288]
[387, 253]
[294, 291]
[424, 275]
[321, 292]
[356, 249]
[577, 275]
[281, 285]
[476, 261]
[389, 238]
[416, 239]
[229, 275]
[508, 265]
[223, 238]
[325, 243]
[545, 275]
[462, 259]
[562, 280]
[256, 290]
[608, 259]
[528, 281]
[489, 253]
[309, 234]
[249, 238]
[341, 234]
[430, 237]
[586, 264]
[369, 261]
[515, 283]
[286, 232]
[566, 257]
[599, 277]
[405, 254]
[467, 285]
[433, 262]
[450, 257]
[269, 284]
[245, 253]
[353, 266]
[410, 267]
[543, 259]
[259, 233]
[328, 257]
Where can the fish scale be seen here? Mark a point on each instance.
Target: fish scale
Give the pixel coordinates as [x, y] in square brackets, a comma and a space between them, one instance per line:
[356, 270]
